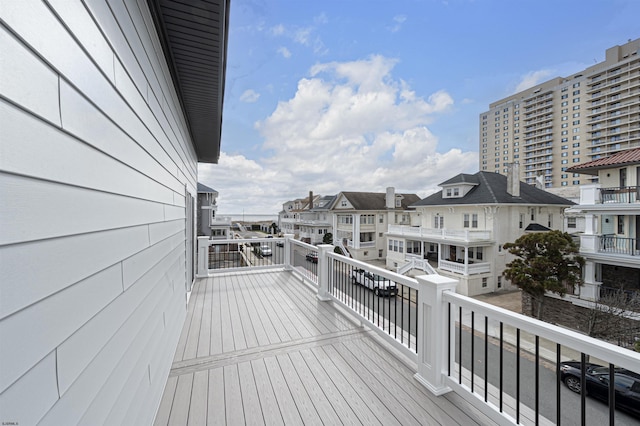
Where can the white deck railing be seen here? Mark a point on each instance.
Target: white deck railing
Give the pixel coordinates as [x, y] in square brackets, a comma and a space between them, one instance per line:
[465, 269]
[436, 332]
[444, 234]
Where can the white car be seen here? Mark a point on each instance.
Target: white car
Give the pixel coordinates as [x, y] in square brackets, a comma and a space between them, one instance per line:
[265, 250]
[380, 285]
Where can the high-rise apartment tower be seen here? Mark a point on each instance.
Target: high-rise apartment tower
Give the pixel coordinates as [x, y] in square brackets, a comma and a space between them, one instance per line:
[566, 121]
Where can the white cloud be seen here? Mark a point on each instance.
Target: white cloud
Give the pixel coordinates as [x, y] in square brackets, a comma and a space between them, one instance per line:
[277, 30]
[284, 52]
[398, 20]
[531, 79]
[249, 96]
[349, 127]
[305, 36]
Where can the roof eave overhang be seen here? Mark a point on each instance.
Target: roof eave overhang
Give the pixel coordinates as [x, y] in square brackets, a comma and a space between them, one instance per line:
[194, 37]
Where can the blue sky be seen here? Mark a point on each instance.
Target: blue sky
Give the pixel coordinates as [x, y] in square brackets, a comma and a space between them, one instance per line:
[359, 95]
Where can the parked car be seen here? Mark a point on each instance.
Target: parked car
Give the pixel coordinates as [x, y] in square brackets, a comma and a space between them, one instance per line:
[280, 243]
[380, 285]
[312, 256]
[262, 250]
[626, 384]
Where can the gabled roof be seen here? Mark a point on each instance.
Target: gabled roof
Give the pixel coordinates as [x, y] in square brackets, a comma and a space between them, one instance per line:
[324, 203]
[377, 200]
[622, 158]
[491, 188]
[205, 188]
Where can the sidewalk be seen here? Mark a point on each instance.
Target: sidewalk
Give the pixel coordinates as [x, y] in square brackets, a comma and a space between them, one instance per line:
[512, 301]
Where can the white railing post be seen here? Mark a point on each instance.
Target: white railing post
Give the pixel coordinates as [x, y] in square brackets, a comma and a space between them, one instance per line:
[432, 331]
[323, 272]
[288, 249]
[203, 256]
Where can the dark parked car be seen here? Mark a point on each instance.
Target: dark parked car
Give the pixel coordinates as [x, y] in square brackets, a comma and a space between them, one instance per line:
[626, 384]
[312, 257]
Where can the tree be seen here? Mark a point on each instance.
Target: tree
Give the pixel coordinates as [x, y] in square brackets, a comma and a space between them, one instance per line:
[545, 261]
[614, 318]
[328, 238]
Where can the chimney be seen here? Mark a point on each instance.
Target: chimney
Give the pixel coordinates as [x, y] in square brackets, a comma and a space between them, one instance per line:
[390, 198]
[513, 179]
[310, 200]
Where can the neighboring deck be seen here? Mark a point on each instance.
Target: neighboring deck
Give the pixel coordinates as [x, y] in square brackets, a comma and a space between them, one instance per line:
[258, 348]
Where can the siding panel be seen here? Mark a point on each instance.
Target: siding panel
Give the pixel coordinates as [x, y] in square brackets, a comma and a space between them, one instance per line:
[99, 211]
[27, 349]
[76, 353]
[27, 81]
[40, 143]
[49, 266]
[33, 395]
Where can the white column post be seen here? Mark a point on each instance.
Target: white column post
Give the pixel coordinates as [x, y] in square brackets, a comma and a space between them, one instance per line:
[323, 272]
[432, 331]
[203, 256]
[356, 231]
[590, 290]
[288, 252]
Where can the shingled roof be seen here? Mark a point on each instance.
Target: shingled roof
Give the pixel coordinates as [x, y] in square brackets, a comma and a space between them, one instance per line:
[627, 157]
[377, 200]
[491, 188]
[205, 188]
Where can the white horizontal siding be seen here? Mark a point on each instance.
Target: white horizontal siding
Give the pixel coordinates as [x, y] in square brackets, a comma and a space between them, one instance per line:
[94, 163]
[27, 78]
[38, 387]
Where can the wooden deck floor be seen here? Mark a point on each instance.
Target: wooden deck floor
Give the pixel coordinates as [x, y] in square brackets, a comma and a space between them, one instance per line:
[258, 348]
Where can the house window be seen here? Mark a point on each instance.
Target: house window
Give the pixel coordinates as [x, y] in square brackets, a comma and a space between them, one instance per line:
[484, 282]
[621, 225]
[521, 222]
[380, 253]
[448, 192]
[343, 204]
[623, 178]
[474, 220]
[398, 202]
[470, 251]
[465, 223]
[381, 218]
[479, 253]
[499, 282]
[533, 213]
[550, 221]
[456, 192]
[401, 246]
[390, 245]
[438, 222]
[571, 222]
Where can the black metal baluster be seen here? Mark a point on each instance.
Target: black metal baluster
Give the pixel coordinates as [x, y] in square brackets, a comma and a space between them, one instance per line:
[583, 401]
[558, 381]
[501, 362]
[402, 318]
[518, 375]
[460, 345]
[537, 403]
[449, 339]
[612, 395]
[486, 357]
[473, 358]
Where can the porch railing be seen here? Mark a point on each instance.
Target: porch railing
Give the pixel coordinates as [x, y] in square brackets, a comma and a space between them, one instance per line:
[465, 269]
[452, 234]
[618, 245]
[491, 357]
[625, 194]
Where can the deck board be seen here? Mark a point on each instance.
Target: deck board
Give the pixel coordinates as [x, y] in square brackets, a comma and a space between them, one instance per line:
[260, 348]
